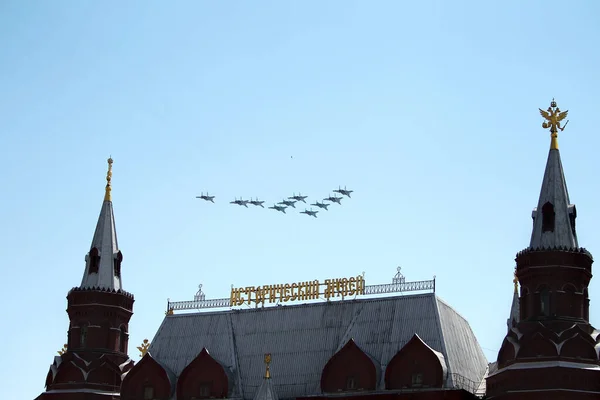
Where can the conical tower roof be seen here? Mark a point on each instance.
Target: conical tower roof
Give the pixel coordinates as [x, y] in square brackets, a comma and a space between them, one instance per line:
[554, 217]
[103, 262]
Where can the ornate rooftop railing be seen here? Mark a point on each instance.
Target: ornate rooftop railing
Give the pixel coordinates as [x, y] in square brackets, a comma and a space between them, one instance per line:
[398, 285]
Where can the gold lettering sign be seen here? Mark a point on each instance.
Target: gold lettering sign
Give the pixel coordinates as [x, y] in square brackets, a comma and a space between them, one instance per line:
[310, 290]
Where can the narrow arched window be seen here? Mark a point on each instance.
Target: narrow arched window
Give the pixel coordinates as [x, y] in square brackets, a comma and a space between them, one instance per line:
[122, 339]
[548, 216]
[83, 335]
[117, 264]
[545, 302]
[94, 261]
[350, 383]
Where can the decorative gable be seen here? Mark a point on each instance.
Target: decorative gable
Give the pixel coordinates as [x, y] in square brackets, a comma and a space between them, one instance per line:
[349, 369]
[203, 378]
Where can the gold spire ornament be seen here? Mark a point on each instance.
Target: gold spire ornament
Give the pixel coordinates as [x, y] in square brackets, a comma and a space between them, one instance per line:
[553, 117]
[144, 347]
[107, 196]
[268, 362]
[63, 350]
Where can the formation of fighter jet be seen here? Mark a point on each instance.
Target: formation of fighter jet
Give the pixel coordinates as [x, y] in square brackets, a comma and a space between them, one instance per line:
[206, 197]
[309, 212]
[257, 202]
[288, 203]
[298, 197]
[334, 199]
[240, 202]
[320, 205]
[344, 191]
[278, 208]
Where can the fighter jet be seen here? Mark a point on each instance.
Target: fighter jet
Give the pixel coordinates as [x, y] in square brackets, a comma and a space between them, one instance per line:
[278, 208]
[334, 199]
[240, 202]
[256, 202]
[344, 191]
[320, 205]
[288, 203]
[311, 212]
[299, 197]
[206, 197]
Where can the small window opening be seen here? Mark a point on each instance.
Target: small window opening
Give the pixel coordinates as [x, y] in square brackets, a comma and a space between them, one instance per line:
[122, 339]
[545, 302]
[117, 264]
[350, 383]
[204, 391]
[94, 261]
[148, 393]
[83, 336]
[548, 216]
[417, 379]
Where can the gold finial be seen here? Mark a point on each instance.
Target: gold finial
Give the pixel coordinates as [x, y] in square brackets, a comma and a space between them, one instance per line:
[144, 347]
[516, 282]
[169, 312]
[63, 350]
[553, 117]
[268, 362]
[107, 196]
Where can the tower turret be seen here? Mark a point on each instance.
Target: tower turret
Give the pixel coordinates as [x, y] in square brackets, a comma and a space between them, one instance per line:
[552, 346]
[99, 313]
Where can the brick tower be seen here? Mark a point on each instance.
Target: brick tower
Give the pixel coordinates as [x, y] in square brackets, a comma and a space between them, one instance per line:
[99, 311]
[551, 351]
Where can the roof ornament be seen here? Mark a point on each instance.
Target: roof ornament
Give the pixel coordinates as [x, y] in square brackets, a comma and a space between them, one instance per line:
[144, 347]
[553, 117]
[398, 278]
[107, 196]
[267, 363]
[516, 282]
[200, 296]
[63, 350]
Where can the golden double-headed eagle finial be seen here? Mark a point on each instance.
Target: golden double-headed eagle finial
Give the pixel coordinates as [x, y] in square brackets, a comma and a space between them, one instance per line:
[63, 350]
[144, 347]
[553, 117]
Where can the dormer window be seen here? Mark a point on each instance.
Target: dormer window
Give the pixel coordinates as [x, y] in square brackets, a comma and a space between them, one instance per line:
[417, 379]
[548, 216]
[148, 392]
[350, 383]
[204, 391]
[572, 217]
[94, 261]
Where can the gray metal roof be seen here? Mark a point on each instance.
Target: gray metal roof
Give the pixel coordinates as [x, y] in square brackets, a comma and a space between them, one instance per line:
[554, 190]
[105, 240]
[302, 338]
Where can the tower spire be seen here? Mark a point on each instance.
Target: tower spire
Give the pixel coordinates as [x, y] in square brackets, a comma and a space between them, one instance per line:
[554, 217]
[103, 262]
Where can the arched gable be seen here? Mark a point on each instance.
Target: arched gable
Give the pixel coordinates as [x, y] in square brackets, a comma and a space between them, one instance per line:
[69, 372]
[204, 377]
[105, 373]
[579, 347]
[147, 375]
[508, 351]
[416, 365]
[537, 345]
[349, 369]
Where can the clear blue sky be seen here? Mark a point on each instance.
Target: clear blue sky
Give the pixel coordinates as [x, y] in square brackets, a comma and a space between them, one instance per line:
[428, 110]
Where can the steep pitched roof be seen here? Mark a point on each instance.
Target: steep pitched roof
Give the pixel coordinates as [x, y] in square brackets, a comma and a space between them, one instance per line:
[555, 197]
[302, 338]
[100, 272]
